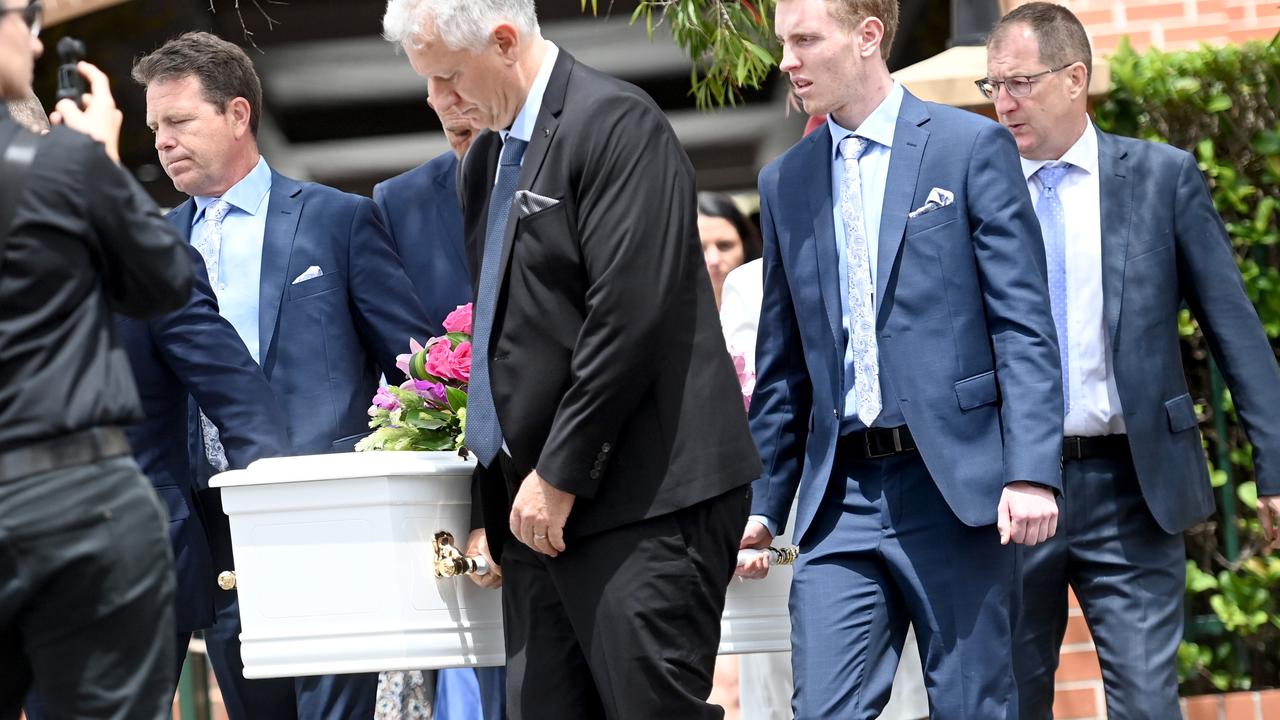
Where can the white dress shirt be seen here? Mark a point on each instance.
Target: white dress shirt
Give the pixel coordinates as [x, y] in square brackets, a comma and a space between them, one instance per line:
[1095, 404]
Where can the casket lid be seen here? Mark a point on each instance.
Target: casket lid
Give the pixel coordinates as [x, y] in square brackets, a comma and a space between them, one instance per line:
[334, 466]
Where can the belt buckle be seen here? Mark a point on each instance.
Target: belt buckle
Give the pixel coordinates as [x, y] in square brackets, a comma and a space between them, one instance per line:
[871, 455]
[1073, 448]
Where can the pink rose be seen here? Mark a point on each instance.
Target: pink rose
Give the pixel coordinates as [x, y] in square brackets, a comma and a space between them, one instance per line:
[460, 362]
[459, 320]
[438, 353]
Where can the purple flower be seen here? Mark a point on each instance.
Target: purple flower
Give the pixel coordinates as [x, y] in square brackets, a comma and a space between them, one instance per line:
[385, 400]
[432, 392]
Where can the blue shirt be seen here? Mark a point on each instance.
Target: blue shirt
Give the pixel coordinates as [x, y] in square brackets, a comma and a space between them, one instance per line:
[873, 171]
[240, 259]
[522, 127]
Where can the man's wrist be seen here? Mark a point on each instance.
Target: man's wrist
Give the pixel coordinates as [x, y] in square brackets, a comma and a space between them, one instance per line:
[767, 522]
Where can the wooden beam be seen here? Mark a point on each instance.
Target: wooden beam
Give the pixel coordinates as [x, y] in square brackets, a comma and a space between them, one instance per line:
[56, 11]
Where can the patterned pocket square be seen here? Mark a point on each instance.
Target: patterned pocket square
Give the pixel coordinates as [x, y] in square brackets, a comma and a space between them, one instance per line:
[310, 273]
[937, 198]
[529, 203]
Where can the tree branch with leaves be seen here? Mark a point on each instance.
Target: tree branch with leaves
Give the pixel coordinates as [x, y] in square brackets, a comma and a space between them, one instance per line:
[731, 42]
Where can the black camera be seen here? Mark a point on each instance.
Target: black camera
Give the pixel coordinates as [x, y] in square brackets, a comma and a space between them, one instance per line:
[70, 81]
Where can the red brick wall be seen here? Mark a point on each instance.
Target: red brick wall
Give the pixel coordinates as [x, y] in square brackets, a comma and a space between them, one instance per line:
[1173, 24]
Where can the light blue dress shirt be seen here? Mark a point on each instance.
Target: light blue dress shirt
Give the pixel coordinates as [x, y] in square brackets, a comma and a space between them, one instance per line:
[524, 124]
[240, 263]
[873, 170]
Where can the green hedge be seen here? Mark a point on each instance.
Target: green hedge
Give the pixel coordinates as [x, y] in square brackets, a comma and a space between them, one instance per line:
[1221, 104]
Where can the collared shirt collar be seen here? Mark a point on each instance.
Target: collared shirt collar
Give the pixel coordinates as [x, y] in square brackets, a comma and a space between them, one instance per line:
[878, 127]
[245, 195]
[1083, 154]
[525, 121]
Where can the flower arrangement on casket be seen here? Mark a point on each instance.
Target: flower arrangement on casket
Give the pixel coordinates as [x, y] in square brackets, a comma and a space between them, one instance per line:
[428, 411]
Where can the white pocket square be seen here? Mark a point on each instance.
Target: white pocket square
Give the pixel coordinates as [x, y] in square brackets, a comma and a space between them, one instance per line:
[529, 203]
[309, 274]
[937, 198]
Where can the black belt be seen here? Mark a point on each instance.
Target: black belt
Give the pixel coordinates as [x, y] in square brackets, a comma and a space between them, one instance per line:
[1081, 448]
[876, 443]
[78, 448]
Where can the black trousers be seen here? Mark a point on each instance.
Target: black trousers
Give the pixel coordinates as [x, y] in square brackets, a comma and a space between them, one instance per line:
[625, 623]
[86, 594]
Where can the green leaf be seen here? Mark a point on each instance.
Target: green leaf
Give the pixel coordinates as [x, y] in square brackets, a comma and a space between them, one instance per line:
[457, 398]
[1219, 103]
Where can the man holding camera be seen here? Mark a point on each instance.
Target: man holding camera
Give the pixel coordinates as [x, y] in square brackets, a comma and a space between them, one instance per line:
[86, 574]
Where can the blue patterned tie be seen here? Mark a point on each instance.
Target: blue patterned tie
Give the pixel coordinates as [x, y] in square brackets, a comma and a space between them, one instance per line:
[484, 432]
[209, 245]
[862, 306]
[1053, 227]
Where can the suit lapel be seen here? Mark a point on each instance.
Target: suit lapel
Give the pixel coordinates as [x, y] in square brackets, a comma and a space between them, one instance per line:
[823, 248]
[909, 140]
[182, 216]
[544, 133]
[283, 211]
[1115, 203]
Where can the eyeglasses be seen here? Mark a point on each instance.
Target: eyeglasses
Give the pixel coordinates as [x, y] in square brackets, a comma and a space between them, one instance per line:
[1018, 87]
[32, 15]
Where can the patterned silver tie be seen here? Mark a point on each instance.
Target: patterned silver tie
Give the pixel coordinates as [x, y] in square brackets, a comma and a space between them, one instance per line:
[1053, 226]
[209, 245]
[862, 305]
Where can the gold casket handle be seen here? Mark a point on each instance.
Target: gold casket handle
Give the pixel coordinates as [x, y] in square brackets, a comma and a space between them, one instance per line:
[227, 579]
[777, 556]
[449, 560]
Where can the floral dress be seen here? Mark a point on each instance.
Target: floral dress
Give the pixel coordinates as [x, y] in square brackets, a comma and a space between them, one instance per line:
[405, 695]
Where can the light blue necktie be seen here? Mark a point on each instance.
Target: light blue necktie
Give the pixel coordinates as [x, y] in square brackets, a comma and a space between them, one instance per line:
[1054, 228]
[209, 245]
[484, 432]
[862, 306]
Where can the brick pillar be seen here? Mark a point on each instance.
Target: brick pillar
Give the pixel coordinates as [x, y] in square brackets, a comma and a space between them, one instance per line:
[1078, 684]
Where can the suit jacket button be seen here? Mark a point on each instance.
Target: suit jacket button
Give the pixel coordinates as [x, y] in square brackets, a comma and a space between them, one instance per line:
[606, 447]
[595, 474]
[836, 413]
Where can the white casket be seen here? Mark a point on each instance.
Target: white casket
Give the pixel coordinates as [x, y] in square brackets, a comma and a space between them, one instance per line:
[334, 568]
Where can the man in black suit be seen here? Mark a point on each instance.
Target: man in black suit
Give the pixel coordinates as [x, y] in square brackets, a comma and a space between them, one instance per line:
[604, 411]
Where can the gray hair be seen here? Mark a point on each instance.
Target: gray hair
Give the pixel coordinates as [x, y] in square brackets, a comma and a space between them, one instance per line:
[460, 24]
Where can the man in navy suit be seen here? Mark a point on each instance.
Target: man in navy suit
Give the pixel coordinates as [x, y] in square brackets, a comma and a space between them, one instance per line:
[306, 274]
[907, 383]
[1130, 234]
[195, 354]
[424, 220]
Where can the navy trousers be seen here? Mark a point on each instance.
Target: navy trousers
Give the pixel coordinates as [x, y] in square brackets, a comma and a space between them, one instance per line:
[1129, 576]
[884, 551]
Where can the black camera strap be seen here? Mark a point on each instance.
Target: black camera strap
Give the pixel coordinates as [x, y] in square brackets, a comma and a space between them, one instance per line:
[19, 151]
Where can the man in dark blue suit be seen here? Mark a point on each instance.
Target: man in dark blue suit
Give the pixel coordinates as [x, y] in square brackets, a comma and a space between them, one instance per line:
[305, 274]
[194, 354]
[424, 220]
[1130, 234]
[908, 391]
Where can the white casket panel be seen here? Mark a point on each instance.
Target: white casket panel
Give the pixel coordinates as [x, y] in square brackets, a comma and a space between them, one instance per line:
[334, 569]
